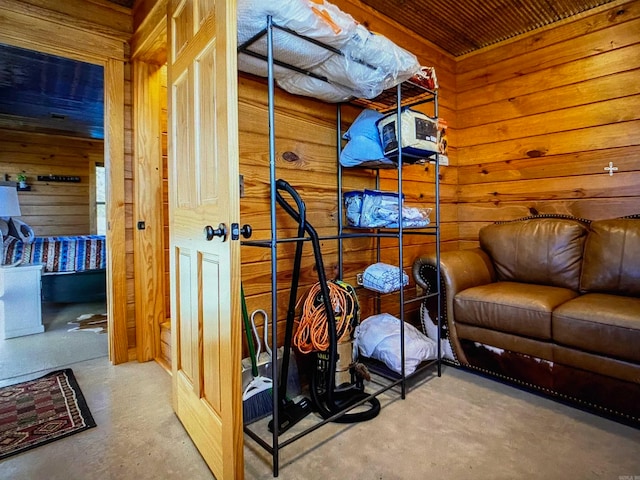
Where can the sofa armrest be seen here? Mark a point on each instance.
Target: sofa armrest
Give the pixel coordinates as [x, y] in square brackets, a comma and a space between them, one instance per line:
[459, 270]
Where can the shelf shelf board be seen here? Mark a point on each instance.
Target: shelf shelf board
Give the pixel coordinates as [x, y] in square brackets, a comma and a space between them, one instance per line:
[377, 367]
[411, 93]
[411, 294]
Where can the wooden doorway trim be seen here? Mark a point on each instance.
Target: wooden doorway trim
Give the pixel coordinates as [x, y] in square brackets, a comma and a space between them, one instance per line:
[148, 236]
[33, 29]
[148, 54]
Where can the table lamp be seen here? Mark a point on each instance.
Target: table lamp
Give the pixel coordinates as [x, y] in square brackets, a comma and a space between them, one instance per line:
[9, 207]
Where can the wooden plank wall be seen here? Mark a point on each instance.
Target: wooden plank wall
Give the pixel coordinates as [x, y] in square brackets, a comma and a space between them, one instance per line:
[128, 202]
[307, 128]
[165, 327]
[165, 191]
[52, 208]
[539, 118]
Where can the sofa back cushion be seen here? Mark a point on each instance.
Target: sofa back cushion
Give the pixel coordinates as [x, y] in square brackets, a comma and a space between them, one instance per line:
[545, 251]
[612, 257]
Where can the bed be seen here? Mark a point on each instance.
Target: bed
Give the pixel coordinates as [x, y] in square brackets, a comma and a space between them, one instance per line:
[74, 267]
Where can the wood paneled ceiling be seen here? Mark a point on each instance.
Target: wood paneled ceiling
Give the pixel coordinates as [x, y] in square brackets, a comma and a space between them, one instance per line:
[461, 27]
[46, 93]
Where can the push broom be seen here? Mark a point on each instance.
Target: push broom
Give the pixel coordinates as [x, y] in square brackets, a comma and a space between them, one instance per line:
[257, 398]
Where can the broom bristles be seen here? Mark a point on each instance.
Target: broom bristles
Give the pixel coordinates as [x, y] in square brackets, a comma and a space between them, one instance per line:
[257, 399]
[257, 407]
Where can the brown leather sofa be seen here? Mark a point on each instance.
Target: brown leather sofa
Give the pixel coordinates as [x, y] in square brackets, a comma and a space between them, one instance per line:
[550, 303]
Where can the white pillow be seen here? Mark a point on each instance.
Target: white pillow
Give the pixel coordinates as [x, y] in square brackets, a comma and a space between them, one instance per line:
[4, 228]
[378, 337]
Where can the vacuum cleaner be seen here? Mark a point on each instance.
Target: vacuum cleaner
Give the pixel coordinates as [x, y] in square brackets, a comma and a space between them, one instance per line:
[328, 397]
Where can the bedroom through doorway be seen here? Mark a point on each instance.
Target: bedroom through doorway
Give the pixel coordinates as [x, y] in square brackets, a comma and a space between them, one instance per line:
[52, 131]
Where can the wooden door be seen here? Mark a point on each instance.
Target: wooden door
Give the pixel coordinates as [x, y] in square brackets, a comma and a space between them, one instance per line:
[204, 191]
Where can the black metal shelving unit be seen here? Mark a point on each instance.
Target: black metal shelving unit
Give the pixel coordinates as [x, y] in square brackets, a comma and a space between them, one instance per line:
[388, 101]
[404, 95]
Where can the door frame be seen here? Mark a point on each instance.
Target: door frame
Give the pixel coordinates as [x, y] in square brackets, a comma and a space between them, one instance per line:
[25, 28]
[148, 55]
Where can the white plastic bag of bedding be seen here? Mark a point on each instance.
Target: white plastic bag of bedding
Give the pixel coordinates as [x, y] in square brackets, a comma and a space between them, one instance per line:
[300, 84]
[370, 64]
[319, 20]
[378, 337]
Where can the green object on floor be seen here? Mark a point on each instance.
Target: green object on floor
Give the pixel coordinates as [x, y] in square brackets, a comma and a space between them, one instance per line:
[257, 398]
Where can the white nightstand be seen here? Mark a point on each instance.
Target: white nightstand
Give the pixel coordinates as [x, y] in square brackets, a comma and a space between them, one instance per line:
[20, 301]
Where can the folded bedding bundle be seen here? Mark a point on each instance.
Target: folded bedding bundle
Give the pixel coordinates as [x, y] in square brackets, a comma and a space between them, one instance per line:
[364, 66]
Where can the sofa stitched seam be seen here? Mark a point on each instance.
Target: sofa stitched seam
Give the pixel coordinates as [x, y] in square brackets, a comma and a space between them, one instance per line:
[552, 215]
[624, 244]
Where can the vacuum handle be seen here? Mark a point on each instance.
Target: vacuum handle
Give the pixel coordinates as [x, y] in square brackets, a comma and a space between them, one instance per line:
[299, 215]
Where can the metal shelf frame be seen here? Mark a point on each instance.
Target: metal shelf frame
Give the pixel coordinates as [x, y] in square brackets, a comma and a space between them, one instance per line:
[432, 230]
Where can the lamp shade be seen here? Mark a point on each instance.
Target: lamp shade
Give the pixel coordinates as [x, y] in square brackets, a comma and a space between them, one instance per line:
[9, 206]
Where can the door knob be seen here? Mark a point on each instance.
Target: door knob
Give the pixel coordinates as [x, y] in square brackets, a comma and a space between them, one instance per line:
[246, 231]
[211, 232]
[236, 231]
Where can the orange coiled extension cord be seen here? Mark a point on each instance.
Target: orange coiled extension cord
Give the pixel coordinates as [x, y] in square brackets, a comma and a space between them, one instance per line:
[312, 334]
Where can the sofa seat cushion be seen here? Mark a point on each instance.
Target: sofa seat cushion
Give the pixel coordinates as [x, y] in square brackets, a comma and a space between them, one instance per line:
[517, 308]
[600, 323]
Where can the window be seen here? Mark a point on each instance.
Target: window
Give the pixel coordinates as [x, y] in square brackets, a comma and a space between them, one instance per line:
[100, 203]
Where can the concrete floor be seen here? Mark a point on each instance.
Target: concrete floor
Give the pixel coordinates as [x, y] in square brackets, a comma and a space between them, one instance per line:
[56, 346]
[137, 437]
[459, 426]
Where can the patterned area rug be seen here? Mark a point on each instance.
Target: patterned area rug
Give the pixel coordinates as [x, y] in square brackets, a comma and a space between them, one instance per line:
[91, 322]
[40, 411]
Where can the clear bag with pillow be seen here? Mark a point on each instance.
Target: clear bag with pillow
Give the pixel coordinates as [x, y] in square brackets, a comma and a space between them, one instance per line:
[378, 337]
[364, 148]
[353, 206]
[384, 278]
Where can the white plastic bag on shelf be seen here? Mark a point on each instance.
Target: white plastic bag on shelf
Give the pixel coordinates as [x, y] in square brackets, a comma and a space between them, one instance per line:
[378, 337]
[318, 20]
[367, 64]
[383, 278]
[300, 84]
[363, 81]
[393, 64]
[413, 217]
